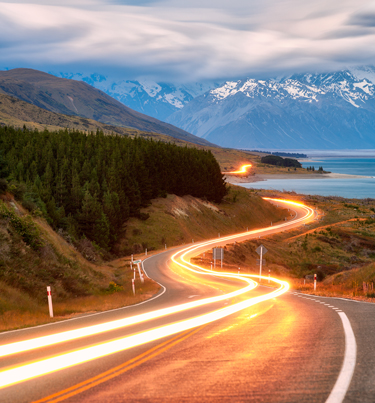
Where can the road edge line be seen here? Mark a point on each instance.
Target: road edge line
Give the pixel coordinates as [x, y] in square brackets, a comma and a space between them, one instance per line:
[342, 384]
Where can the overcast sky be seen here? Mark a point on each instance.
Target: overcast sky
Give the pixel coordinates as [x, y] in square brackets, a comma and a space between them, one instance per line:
[187, 40]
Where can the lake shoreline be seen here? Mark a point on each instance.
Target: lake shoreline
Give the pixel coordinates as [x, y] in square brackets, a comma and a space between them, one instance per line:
[263, 177]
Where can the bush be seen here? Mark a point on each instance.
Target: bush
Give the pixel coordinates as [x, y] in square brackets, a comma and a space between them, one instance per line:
[24, 227]
[113, 287]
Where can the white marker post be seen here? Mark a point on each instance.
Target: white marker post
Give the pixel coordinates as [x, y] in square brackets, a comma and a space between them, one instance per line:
[133, 285]
[165, 246]
[239, 270]
[146, 252]
[314, 282]
[140, 273]
[50, 307]
[269, 276]
[261, 250]
[138, 263]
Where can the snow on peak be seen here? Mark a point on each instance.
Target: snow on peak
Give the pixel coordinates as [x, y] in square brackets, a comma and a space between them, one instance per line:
[351, 86]
[150, 87]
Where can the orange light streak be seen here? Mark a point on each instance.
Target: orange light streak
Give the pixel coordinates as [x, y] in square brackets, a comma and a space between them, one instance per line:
[242, 170]
[31, 370]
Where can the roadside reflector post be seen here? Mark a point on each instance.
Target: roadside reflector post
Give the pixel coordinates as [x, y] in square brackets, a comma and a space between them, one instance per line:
[247, 229]
[133, 285]
[261, 250]
[304, 281]
[271, 223]
[165, 246]
[50, 307]
[139, 272]
[239, 270]
[314, 282]
[269, 276]
[219, 235]
[146, 252]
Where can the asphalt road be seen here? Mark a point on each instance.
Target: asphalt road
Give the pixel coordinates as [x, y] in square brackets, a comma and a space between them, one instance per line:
[286, 349]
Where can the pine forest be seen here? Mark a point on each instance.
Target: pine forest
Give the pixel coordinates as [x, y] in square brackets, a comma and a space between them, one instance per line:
[90, 184]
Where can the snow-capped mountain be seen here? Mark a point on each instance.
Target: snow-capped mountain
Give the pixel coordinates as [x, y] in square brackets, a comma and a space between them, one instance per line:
[158, 100]
[332, 110]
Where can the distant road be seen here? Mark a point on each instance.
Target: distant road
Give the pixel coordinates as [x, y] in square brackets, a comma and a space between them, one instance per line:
[288, 349]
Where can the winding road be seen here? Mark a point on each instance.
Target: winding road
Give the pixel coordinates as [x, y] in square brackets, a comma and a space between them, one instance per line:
[206, 336]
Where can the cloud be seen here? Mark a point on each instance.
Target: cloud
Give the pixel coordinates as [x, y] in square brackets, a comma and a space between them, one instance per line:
[187, 41]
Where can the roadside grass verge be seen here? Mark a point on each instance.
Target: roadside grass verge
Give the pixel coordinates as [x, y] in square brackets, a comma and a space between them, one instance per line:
[18, 310]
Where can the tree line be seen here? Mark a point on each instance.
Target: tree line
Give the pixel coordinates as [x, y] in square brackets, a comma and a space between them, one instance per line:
[90, 184]
[312, 168]
[281, 162]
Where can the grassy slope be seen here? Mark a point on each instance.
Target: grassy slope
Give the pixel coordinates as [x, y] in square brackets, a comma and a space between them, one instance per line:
[340, 247]
[81, 286]
[77, 285]
[177, 220]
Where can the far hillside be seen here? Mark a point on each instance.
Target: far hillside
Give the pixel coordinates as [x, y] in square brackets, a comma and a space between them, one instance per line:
[76, 98]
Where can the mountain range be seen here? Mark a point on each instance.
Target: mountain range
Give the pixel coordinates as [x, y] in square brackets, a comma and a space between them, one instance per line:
[334, 110]
[301, 111]
[156, 99]
[77, 98]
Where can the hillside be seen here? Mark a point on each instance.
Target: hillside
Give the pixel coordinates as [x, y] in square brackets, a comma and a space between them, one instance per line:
[339, 247]
[33, 256]
[77, 98]
[91, 184]
[304, 111]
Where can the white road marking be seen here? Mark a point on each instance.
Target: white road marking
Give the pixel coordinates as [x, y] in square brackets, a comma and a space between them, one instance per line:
[343, 381]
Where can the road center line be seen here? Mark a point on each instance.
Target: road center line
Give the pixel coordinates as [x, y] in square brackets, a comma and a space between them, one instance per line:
[343, 381]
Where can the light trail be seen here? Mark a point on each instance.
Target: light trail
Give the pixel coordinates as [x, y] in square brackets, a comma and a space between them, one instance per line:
[21, 373]
[42, 367]
[242, 170]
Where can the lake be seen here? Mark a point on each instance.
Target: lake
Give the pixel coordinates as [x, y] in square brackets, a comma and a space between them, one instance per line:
[358, 188]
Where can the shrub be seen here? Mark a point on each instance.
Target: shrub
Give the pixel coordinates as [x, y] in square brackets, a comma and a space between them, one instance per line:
[24, 227]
